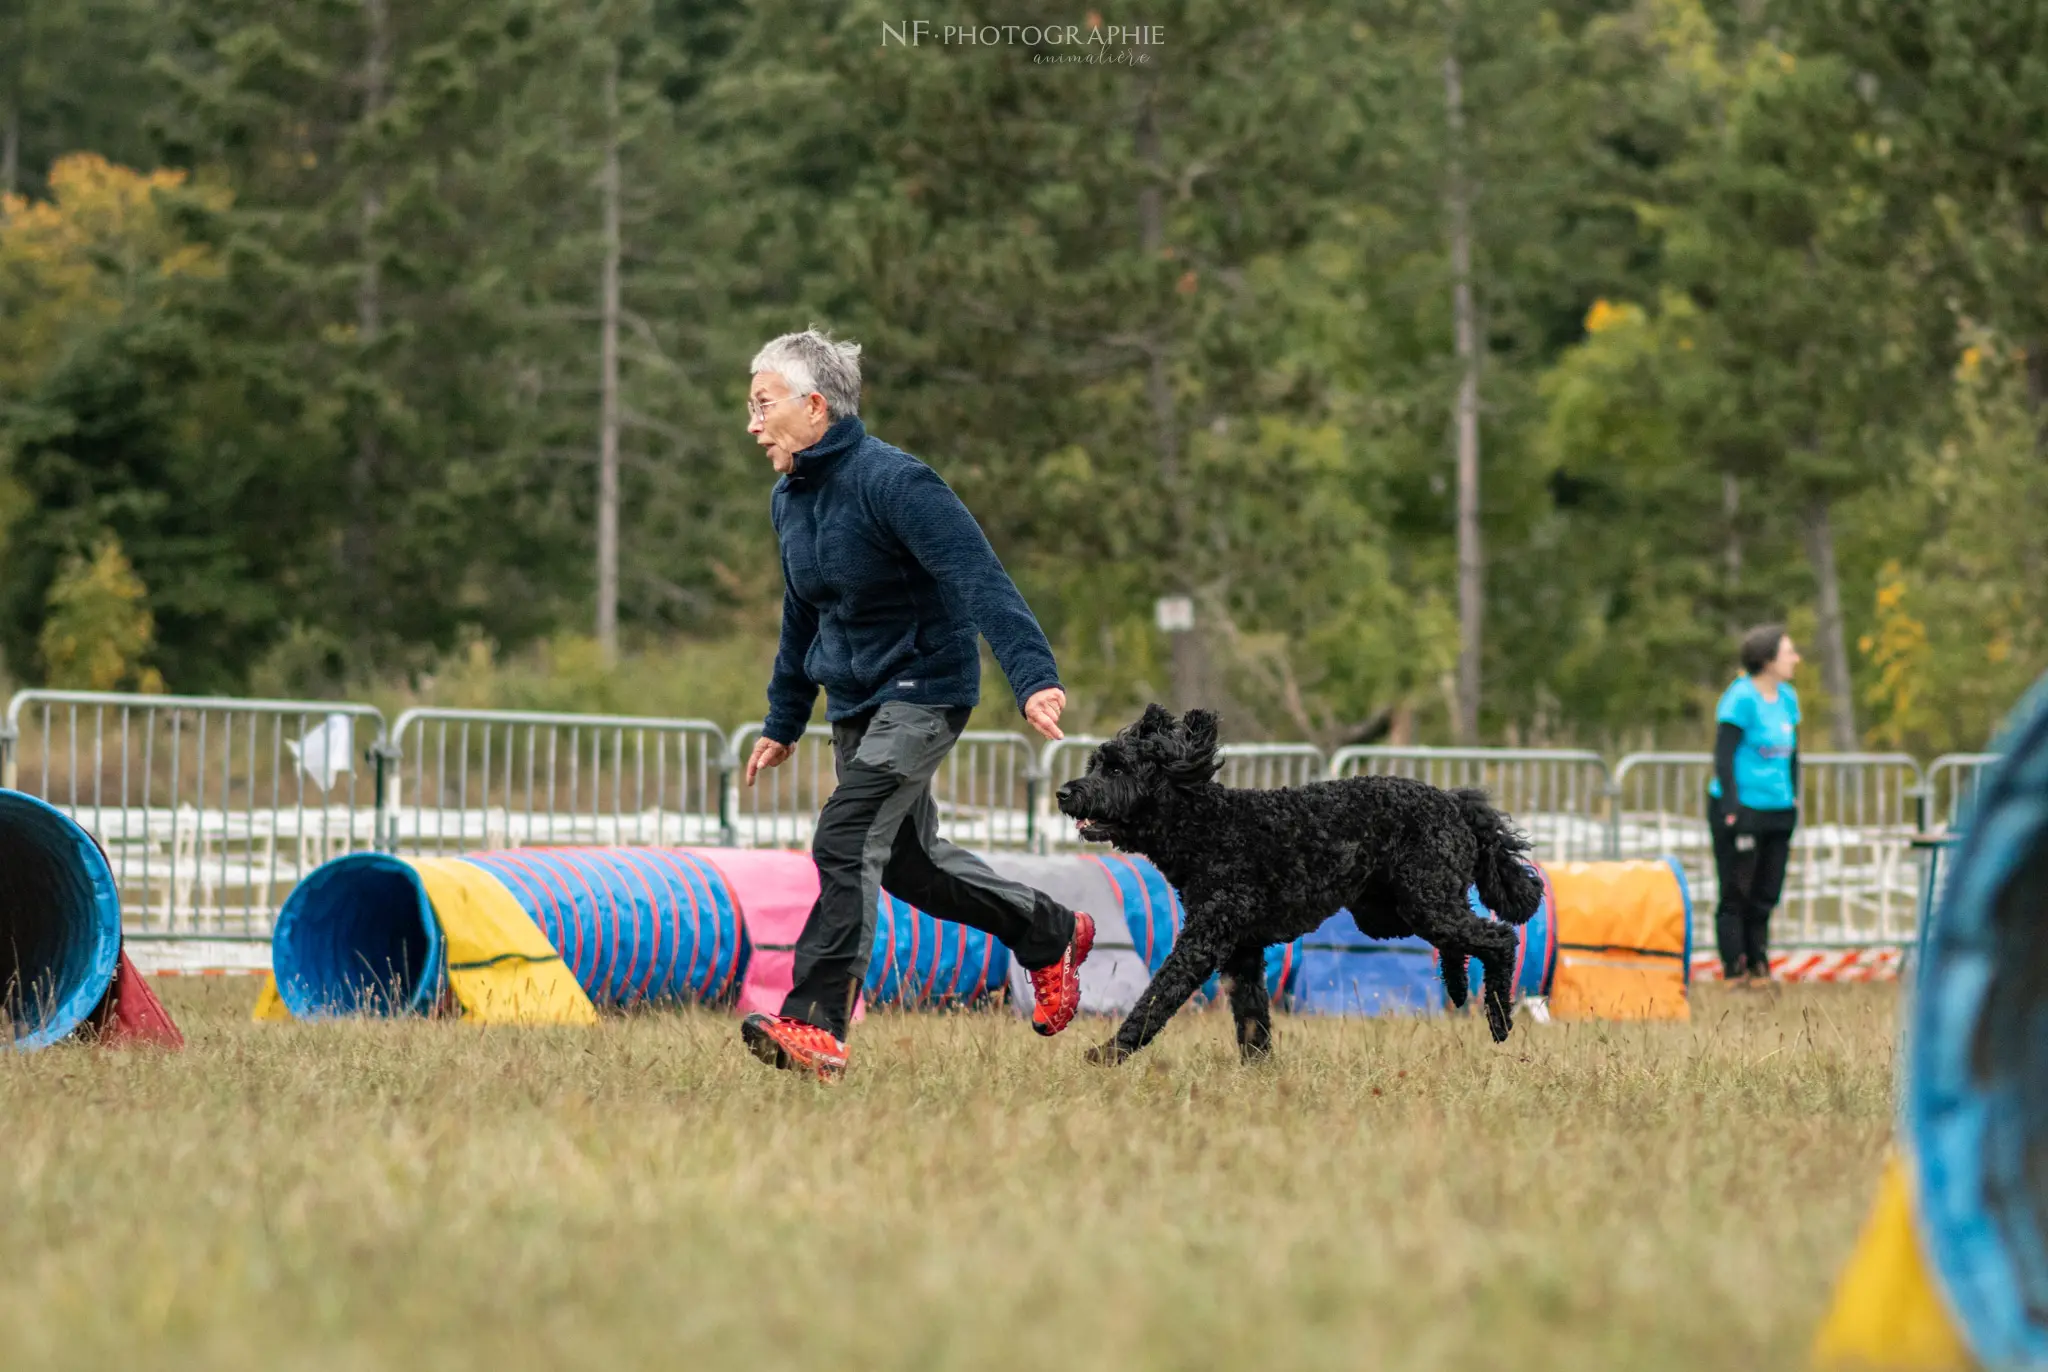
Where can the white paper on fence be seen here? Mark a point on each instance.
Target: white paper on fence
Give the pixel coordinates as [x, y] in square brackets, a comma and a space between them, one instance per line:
[323, 751]
[1114, 976]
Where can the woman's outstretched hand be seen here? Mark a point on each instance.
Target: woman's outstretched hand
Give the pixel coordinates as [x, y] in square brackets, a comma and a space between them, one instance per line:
[1043, 710]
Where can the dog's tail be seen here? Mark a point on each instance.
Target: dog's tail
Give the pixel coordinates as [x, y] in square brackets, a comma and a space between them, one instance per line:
[1507, 882]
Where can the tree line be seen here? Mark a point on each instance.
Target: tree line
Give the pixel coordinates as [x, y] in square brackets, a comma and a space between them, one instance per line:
[1476, 368]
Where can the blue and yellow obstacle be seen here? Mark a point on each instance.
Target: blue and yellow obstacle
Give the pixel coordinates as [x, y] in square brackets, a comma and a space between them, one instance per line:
[526, 936]
[1951, 1271]
[555, 935]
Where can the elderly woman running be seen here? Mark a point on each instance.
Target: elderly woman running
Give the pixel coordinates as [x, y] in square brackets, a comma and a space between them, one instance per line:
[888, 582]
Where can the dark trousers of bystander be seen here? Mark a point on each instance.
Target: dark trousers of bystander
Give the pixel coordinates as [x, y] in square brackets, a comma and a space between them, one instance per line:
[1750, 857]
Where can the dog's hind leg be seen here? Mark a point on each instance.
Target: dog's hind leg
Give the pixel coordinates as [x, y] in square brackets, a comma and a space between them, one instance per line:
[1438, 912]
[1195, 957]
[1377, 912]
[1246, 968]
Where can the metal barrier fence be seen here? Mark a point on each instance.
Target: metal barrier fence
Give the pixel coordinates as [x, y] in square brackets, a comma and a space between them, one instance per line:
[1952, 782]
[1557, 796]
[1854, 878]
[1268, 766]
[462, 780]
[1254, 766]
[778, 810]
[210, 809]
[984, 790]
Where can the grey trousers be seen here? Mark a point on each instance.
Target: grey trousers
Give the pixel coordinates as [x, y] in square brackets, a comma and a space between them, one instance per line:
[880, 830]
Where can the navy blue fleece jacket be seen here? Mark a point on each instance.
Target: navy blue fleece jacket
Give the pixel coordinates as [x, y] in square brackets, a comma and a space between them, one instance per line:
[886, 581]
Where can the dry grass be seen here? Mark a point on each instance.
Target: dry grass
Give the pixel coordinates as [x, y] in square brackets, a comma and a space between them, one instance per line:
[1389, 1195]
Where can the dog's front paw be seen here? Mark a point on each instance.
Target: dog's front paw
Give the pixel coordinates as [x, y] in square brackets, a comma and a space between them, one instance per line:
[1109, 1054]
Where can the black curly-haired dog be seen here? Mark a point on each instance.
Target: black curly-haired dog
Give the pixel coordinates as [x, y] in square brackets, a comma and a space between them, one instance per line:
[1255, 868]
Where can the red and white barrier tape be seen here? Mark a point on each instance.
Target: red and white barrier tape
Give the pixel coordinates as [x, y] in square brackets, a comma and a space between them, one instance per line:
[1817, 964]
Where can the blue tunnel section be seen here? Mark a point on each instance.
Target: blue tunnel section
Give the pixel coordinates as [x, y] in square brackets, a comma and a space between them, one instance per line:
[1153, 911]
[60, 918]
[357, 937]
[1345, 972]
[919, 962]
[1975, 1108]
[634, 925]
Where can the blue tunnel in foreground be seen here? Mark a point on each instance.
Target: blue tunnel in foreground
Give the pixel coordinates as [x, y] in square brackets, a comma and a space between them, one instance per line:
[1975, 1101]
[60, 922]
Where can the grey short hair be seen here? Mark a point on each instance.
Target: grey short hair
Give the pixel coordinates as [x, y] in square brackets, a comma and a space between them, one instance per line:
[814, 361]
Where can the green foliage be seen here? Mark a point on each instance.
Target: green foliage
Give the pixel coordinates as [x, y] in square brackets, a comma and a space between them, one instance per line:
[1961, 616]
[332, 379]
[99, 630]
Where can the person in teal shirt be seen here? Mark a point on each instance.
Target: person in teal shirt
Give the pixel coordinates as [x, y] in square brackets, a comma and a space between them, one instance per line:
[1753, 799]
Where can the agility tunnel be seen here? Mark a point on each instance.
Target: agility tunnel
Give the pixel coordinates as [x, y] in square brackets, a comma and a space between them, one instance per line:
[922, 963]
[1952, 1268]
[528, 935]
[62, 966]
[554, 935]
[1611, 940]
[1117, 971]
[1343, 972]
[916, 962]
[1137, 915]
[1624, 940]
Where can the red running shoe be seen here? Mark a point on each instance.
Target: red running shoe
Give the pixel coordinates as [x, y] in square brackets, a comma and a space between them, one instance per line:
[1056, 990]
[794, 1045]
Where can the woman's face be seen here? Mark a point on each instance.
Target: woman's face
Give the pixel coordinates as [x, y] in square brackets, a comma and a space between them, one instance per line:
[1786, 662]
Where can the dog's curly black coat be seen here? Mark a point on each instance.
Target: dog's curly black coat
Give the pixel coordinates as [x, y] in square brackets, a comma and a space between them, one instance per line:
[1255, 868]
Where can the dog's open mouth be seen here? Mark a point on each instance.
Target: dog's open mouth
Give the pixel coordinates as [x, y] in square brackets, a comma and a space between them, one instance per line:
[1097, 831]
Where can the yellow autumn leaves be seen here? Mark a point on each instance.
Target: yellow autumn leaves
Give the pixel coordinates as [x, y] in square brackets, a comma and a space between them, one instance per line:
[102, 243]
[79, 258]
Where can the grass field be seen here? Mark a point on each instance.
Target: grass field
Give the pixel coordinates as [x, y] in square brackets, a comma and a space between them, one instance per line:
[1387, 1195]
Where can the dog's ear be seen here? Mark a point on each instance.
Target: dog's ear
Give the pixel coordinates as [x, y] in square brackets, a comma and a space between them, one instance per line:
[1157, 719]
[1194, 758]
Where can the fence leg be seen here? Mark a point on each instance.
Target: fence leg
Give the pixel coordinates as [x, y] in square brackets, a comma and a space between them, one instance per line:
[384, 760]
[7, 763]
[728, 802]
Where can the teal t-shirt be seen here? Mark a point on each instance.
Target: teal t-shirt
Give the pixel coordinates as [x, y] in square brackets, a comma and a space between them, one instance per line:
[1770, 735]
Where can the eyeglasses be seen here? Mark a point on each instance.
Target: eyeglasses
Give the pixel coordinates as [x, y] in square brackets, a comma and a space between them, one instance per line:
[759, 408]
